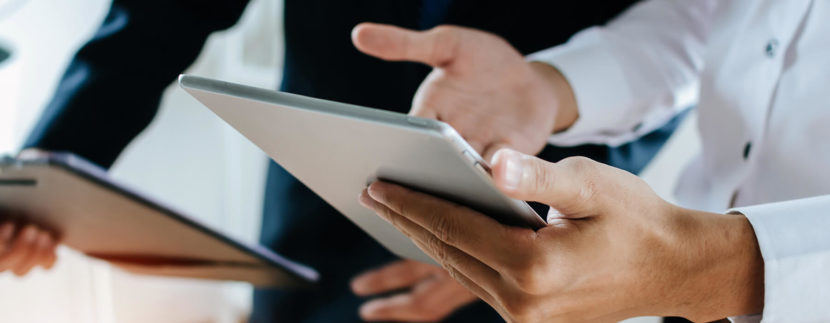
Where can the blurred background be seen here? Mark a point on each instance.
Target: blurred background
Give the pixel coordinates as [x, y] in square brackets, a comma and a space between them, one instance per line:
[188, 158]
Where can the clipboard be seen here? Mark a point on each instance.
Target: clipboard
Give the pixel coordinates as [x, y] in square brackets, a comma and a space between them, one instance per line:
[101, 218]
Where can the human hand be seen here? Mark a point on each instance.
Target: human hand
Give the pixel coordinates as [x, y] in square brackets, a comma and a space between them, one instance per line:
[25, 246]
[612, 250]
[432, 294]
[22, 250]
[480, 85]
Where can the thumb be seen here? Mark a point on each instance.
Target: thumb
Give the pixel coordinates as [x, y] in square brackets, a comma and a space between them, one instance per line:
[435, 47]
[566, 186]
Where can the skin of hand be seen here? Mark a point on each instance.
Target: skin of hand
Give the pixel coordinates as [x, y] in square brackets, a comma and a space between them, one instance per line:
[612, 249]
[480, 85]
[25, 246]
[21, 250]
[431, 295]
[486, 90]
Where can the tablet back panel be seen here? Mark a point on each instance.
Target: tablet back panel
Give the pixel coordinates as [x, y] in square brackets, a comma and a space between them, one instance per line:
[338, 149]
[94, 215]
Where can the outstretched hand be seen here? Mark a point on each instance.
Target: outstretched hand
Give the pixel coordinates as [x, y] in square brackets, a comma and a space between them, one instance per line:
[480, 85]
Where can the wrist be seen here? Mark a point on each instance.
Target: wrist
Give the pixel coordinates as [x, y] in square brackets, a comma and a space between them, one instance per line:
[559, 89]
[723, 271]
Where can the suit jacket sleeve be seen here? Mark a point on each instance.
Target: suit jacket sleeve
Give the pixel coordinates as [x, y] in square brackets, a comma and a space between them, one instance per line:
[112, 88]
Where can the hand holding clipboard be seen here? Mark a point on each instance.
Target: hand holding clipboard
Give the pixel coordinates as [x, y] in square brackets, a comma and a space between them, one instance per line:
[93, 214]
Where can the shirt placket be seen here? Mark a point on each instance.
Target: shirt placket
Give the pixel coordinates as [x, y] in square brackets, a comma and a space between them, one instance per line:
[771, 35]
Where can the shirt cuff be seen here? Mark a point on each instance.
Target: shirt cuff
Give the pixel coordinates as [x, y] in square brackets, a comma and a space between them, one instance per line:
[598, 83]
[746, 318]
[795, 244]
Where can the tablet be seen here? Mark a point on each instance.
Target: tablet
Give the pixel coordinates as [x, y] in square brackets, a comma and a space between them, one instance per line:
[338, 149]
[104, 219]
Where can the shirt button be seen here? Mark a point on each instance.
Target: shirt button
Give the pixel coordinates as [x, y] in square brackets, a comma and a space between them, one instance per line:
[771, 48]
[638, 127]
[747, 148]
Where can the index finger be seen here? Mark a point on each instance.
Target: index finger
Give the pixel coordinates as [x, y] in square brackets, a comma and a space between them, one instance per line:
[435, 47]
[476, 234]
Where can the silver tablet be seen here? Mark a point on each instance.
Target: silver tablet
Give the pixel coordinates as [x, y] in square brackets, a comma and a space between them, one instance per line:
[337, 149]
[93, 214]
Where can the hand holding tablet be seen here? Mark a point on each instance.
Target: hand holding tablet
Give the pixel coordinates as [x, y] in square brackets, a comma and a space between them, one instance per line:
[337, 149]
[91, 213]
[24, 246]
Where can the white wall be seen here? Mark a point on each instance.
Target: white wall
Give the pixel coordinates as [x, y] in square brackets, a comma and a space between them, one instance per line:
[70, 291]
[41, 33]
[187, 157]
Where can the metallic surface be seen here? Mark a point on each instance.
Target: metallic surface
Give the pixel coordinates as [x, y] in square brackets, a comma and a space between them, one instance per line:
[338, 149]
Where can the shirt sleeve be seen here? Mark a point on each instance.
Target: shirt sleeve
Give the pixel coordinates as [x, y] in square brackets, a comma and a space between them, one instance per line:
[795, 244]
[635, 73]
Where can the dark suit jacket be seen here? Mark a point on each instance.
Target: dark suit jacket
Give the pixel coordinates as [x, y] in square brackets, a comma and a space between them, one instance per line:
[112, 88]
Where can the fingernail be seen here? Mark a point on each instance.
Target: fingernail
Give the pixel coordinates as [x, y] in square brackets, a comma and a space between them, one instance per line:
[359, 285]
[375, 192]
[367, 36]
[368, 311]
[512, 169]
[366, 200]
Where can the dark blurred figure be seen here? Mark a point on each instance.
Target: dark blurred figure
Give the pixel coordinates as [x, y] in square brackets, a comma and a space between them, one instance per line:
[4, 54]
[112, 89]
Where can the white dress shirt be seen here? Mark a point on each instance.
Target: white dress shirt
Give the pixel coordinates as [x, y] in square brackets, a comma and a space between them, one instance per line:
[760, 72]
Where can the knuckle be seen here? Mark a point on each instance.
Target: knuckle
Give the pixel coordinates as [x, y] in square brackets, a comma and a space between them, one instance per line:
[534, 275]
[445, 31]
[419, 304]
[453, 273]
[395, 220]
[588, 189]
[577, 164]
[586, 170]
[442, 227]
[529, 279]
[544, 179]
[448, 38]
[438, 251]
